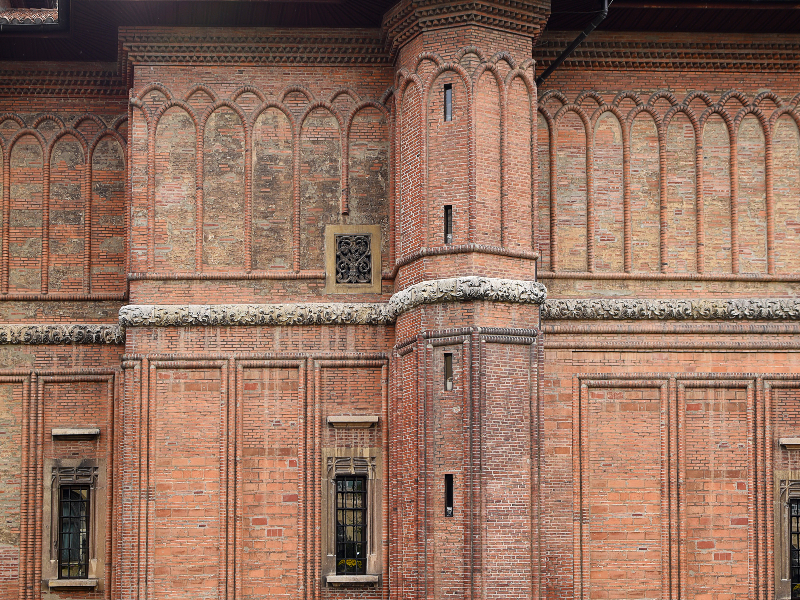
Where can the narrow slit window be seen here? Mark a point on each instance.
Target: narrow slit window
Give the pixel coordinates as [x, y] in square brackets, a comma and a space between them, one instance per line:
[448, 224]
[448, 101]
[448, 495]
[73, 532]
[448, 372]
[351, 525]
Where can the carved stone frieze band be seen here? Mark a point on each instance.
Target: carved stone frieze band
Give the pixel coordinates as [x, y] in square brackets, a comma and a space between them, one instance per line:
[672, 51]
[727, 309]
[66, 79]
[62, 334]
[459, 289]
[409, 17]
[252, 46]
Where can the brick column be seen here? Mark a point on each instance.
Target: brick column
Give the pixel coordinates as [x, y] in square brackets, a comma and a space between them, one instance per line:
[483, 428]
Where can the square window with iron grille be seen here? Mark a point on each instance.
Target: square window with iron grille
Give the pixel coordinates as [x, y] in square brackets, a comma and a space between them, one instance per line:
[73, 531]
[353, 259]
[351, 525]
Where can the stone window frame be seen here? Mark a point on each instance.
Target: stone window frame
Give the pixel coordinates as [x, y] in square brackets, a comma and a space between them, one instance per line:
[786, 487]
[331, 286]
[60, 472]
[366, 462]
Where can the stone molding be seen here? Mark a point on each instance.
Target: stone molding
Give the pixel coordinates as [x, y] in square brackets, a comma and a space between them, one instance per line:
[252, 46]
[410, 17]
[724, 309]
[29, 16]
[674, 52]
[460, 289]
[21, 79]
[429, 292]
[67, 333]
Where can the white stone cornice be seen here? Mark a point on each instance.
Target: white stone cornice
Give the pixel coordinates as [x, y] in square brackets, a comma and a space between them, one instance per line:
[458, 289]
[67, 333]
[708, 309]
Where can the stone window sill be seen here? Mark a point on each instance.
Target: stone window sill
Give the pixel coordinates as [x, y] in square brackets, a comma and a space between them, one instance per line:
[790, 443]
[353, 421]
[72, 583]
[343, 580]
[83, 433]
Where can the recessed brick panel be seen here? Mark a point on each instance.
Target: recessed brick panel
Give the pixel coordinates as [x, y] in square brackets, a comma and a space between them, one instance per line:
[448, 161]
[786, 157]
[487, 164]
[608, 205]
[624, 493]
[223, 191]
[681, 220]
[517, 167]
[752, 209]
[446, 453]
[717, 481]
[25, 219]
[175, 173]
[506, 469]
[273, 193]
[411, 226]
[10, 484]
[571, 199]
[320, 183]
[271, 433]
[786, 415]
[186, 525]
[717, 195]
[543, 187]
[108, 221]
[67, 216]
[368, 173]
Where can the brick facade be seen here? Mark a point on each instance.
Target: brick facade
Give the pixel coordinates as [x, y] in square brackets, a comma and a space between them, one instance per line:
[165, 277]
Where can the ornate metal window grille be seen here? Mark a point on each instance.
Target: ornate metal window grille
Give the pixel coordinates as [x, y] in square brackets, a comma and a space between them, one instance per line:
[351, 525]
[353, 259]
[73, 532]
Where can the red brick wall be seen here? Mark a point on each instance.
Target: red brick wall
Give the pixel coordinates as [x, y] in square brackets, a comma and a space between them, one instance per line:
[664, 454]
[625, 460]
[66, 182]
[727, 161]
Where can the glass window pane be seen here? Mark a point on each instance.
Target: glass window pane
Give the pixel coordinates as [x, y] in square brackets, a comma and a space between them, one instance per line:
[73, 553]
[350, 519]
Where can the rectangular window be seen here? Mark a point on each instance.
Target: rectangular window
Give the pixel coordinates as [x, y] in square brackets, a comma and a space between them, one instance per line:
[448, 101]
[448, 224]
[448, 372]
[448, 495]
[73, 532]
[351, 525]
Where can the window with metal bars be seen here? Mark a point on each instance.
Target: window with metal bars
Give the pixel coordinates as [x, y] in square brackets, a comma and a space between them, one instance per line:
[351, 525]
[73, 532]
[794, 545]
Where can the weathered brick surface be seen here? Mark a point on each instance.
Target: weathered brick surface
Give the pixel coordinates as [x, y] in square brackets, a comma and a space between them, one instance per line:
[10, 468]
[603, 459]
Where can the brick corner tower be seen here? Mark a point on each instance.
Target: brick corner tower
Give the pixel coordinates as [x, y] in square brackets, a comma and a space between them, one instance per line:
[464, 440]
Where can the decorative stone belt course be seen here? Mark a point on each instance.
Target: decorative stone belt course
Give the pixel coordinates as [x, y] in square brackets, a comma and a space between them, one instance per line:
[459, 289]
[62, 334]
[727, 309]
